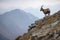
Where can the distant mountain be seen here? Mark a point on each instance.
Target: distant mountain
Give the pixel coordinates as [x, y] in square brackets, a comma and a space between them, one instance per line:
[2, 37]
[15, 22]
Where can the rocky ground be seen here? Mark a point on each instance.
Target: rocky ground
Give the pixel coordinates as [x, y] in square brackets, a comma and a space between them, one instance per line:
[47, 28]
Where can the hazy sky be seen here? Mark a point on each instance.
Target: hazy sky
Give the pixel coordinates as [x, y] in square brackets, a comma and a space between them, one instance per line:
[26, 4]
[23, 4]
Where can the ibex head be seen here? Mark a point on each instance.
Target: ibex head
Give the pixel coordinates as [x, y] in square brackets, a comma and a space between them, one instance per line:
[41, 8]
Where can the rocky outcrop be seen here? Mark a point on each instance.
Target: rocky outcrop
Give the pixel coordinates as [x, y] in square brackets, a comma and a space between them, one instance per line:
[47, 28]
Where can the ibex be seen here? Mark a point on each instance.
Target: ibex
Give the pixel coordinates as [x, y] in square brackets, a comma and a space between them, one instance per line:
[45, 11]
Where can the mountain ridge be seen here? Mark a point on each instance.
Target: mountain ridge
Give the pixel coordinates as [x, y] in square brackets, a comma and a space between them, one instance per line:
[13, 21]
[47, 28]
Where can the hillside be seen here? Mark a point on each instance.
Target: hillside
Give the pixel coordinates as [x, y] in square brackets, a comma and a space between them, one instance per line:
[13, 22]
[2, 37]
[47, 28]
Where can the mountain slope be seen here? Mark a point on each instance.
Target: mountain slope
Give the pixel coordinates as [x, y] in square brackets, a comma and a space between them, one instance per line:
[15, 22]
[2, 37]
[47, 28]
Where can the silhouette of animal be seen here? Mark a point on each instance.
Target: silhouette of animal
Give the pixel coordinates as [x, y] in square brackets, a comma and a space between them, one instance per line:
[45, 11]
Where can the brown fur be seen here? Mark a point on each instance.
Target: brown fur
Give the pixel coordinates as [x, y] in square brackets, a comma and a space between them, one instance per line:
[45, 11]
